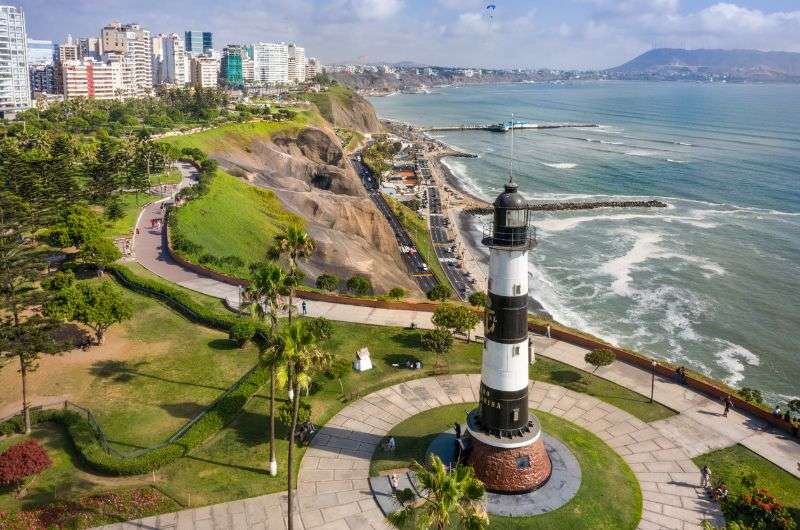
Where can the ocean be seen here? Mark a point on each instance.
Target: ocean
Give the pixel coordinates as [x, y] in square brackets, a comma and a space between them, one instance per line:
[713, 280]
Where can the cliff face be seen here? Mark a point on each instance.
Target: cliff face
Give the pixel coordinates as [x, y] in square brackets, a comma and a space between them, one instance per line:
[357, 114]
[314, 179]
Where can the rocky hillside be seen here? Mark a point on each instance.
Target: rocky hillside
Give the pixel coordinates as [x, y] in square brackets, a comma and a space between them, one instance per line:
[311, 176]
[345, 109]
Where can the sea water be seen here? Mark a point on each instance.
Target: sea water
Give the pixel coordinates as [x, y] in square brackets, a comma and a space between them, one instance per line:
[712, 281]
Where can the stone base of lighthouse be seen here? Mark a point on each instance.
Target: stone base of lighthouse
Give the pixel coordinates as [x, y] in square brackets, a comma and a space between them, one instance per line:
[508, 465]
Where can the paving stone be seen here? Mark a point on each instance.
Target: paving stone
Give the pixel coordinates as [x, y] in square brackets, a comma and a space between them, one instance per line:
[340, 511]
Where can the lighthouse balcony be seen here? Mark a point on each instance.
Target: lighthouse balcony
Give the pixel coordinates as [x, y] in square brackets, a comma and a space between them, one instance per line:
[516, 239]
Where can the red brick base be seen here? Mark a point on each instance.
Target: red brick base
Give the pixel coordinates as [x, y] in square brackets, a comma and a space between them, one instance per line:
[504, 470]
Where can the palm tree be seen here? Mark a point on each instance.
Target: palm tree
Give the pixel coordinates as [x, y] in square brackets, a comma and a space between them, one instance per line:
[295, 244]
[300, 346]
[264, 296]
[448, 498]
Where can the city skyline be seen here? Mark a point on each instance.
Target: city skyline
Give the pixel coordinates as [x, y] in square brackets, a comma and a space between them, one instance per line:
[579, 34]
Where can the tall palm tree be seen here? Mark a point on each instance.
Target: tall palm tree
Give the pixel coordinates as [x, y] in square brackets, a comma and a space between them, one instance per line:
[448, 498]
[264, 295]
[301, 348]
[295, 244]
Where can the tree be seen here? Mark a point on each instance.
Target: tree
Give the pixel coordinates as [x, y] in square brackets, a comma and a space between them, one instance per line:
[21, 461]
[438, 340]
[98, 307]
[600, 357]
[458, 319]
[321, 327]
[478, 299]
[100, 252]
[295, 244]
[440, 293]
[25, 341]
[450, 498]
[327, 282]
[360, 285]
[268, 284]
[304, 355]
[397, 293]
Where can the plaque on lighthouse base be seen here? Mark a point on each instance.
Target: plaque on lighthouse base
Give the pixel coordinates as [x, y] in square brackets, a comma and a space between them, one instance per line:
[511, 464]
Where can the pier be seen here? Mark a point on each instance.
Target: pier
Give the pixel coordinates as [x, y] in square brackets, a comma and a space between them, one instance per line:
[567, 206]
[507, 126]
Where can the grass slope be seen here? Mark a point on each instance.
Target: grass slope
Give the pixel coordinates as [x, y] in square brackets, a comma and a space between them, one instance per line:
[731, 463]
[418, 232]
[324, 100]
[233, 219]
[131, 206]
[608, 498]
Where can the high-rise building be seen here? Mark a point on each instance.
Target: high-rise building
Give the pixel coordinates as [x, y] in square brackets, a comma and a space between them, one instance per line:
[205, 71]
[232, 65]
[130, 44]
[271, 62]
[198, 42]
[296, 63]
[41, 52]
[312, 68]
[92, 79]
[176, 64]
[157, 42]
[89, 47]
[68, 50]
[43, 79]
[15, 94]
[248, 70]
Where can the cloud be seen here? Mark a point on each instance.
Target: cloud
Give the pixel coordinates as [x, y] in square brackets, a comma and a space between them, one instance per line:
[471, 24]
[376, 9]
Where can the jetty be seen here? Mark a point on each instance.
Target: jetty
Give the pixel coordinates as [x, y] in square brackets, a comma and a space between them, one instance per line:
[566, 206]
[507, 126]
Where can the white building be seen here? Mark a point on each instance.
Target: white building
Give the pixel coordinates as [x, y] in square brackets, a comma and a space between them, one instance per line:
[88, 78]
[176, 66]
[205, 71]
[312, 68]
[297, 64]
[248, 70]
[130, 44]
[271, 62]
[15, 93]
[157, 43]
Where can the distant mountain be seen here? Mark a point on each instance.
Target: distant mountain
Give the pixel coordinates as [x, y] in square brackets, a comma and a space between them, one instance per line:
[745, 64]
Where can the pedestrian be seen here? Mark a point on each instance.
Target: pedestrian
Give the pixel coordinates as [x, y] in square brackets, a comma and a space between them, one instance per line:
[705, 477]
[394, 481]
[391, 444]
[137, 230]
[458, 430]
[777, 412]
[304, 307]
[728, 405]
[548, 331]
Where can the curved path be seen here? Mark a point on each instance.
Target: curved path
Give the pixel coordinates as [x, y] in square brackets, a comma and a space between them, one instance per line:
[332, 485]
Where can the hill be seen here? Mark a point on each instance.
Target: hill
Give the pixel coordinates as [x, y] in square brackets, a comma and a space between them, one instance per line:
[736, 64]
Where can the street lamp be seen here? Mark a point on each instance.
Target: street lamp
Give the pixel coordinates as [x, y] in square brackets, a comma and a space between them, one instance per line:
[653, 380]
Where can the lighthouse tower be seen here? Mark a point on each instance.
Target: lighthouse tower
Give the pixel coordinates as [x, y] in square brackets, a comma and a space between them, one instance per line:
[507, 452]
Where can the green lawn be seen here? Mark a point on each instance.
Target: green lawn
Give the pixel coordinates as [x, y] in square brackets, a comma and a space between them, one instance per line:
[239, 134]
[731, 463]
[131, 206]
[232, 219]
[558, 373]
[608, 498]
[418, 232]
[172, 176]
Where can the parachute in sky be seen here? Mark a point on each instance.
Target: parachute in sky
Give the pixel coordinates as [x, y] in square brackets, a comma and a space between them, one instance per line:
[490, 11]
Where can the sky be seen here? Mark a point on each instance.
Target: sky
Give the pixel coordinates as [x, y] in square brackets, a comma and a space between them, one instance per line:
[569, 34]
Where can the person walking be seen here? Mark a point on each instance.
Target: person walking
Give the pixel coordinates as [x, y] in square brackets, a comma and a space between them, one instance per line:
[728, 405]
[705, 477]
[394, 481]
[304, 307]
[777, 412]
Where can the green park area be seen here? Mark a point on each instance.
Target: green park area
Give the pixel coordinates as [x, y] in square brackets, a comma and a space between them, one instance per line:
[230, 226]
[608, 497]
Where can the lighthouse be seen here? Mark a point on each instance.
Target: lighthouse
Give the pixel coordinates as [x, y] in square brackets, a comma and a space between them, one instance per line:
[507, 449]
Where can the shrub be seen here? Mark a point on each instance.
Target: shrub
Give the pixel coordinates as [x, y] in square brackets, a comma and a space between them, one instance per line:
[22, 461]
[234, 262]
[751, 395]
[397, 293]
[794, 405]
[600, 357]
[440, 293]
[360, 285]
[338, 369]
[327, 282]
[478, 299]
[242, 331]
[209, 259]
[285, 413]
[760, 509]
[114, 208]
[321, 328]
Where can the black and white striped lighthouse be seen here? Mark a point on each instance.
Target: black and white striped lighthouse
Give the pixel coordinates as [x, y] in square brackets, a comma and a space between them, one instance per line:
[507, 449]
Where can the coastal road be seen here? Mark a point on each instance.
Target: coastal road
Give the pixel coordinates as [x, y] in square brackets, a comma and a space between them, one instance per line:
[443, 245]
[415, 265]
